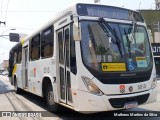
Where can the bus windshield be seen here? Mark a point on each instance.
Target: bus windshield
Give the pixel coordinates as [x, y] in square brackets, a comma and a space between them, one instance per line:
[115, 45]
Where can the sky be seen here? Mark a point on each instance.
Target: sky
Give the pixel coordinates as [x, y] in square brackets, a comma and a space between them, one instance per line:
[28, 15]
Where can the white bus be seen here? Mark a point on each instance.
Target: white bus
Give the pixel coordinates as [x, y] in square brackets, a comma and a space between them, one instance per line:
[89, 58]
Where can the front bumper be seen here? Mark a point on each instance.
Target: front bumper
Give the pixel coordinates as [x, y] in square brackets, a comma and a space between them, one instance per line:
[91, 103]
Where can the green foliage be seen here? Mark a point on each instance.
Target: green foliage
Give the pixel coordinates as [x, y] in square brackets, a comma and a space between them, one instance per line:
[150, 15]
[100, 50]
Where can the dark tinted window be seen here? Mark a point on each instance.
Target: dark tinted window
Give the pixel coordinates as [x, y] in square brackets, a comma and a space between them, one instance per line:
[67, 42]
[60, 41]
[73, 64]
[19, 54]
[47, 42]
[35, 48]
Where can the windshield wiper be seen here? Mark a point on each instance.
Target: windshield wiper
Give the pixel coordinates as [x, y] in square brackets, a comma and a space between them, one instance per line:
[114, 37]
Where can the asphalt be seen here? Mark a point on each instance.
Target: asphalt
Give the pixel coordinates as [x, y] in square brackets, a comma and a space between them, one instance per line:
[5, 85]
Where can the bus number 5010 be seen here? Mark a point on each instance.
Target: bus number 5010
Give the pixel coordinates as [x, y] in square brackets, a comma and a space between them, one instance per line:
[140, 87]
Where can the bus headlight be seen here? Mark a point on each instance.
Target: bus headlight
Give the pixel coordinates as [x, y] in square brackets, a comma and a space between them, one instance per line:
[154, 82]
[91, 86]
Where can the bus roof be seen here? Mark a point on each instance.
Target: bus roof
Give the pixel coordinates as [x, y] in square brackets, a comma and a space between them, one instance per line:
[73, 10]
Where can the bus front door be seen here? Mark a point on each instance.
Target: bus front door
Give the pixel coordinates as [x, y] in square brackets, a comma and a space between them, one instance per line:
[64, 65]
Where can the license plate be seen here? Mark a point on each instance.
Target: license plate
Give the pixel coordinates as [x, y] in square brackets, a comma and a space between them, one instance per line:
[130, 105]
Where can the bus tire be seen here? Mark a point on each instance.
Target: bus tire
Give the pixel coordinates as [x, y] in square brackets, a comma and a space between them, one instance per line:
[17, 90]
[52, 106]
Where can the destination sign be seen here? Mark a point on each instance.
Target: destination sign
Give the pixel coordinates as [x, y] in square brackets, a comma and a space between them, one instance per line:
[108, 12]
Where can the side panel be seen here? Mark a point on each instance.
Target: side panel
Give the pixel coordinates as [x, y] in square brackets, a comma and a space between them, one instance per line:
[42, 60]
[37, 70]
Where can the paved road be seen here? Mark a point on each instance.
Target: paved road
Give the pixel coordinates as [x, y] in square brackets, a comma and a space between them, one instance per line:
[9, 101]
[5, 85]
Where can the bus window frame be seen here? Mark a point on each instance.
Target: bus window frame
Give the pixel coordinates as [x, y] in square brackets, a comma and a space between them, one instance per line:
[49, 42]
[32, 46]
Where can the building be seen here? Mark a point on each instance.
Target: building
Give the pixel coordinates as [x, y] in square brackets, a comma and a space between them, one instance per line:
[152, 18]
[4, 64]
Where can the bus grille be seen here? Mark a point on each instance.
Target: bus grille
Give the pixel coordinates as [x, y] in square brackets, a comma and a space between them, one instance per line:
[119, 102]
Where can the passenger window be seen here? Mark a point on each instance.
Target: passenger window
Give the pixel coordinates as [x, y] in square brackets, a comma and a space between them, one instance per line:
[47, 42]
[15, 57]
[35, 48]
[19, 54]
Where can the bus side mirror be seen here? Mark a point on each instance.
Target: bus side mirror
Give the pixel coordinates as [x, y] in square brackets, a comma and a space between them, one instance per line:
[14, 37]
[76, 30]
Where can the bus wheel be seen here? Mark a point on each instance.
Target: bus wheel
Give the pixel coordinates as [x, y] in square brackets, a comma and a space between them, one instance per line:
[17, 90]
[52, 106]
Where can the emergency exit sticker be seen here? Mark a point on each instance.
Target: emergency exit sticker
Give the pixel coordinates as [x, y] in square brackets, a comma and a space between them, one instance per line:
[110, 67]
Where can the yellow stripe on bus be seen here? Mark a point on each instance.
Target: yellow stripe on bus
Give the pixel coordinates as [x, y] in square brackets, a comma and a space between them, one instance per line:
[22, 42]
[14, 69]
